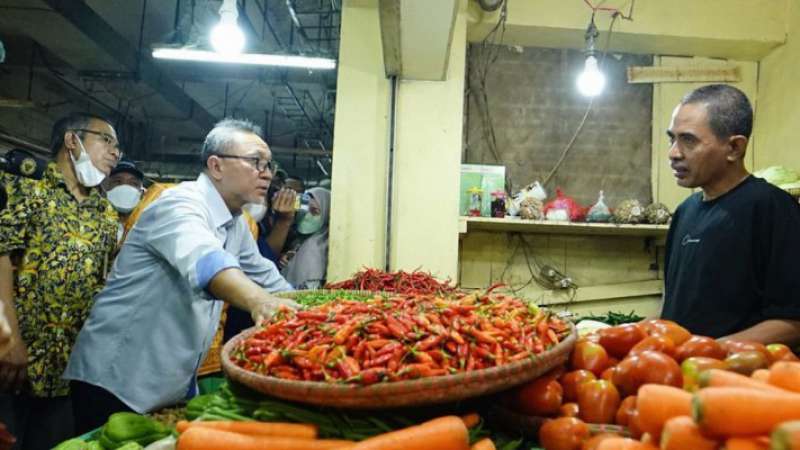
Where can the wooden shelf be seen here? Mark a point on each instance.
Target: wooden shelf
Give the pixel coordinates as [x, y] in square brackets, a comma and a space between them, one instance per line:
[469, 224]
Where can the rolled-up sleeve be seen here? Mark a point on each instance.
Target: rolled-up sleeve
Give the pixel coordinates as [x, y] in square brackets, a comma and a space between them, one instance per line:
[259, 269]
[182, 235]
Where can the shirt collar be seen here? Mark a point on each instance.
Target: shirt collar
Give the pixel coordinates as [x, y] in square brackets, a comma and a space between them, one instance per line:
[54, 176]
[220, 214]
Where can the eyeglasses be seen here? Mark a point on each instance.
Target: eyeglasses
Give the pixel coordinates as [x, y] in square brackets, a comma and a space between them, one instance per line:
[255, 162]
[110, 141]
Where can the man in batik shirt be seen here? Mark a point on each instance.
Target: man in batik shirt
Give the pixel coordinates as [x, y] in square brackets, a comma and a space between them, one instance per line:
[56, 238]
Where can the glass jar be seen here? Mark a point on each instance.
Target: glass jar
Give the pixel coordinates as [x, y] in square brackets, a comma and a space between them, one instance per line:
[498, 204]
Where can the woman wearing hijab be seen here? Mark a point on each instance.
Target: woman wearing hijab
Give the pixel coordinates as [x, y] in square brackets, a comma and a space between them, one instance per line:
[306, 270]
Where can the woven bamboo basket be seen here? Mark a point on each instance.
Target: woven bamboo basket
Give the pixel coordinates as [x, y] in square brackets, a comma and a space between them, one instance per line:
[423, 391]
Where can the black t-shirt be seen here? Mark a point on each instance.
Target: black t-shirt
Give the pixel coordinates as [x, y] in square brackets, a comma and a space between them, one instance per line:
[732, 262]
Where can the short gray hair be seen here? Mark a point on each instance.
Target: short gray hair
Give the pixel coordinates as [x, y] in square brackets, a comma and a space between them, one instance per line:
[729, 111]
[223, 136]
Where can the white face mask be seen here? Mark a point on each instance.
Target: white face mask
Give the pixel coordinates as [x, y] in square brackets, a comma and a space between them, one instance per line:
[124, 198]
[256, 210]
[88, 175]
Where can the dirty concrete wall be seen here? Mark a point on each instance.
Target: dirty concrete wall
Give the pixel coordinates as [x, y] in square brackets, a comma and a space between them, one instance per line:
[535, 110]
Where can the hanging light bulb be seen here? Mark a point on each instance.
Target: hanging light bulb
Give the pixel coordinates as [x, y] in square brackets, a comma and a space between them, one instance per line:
[226, 37]
[591, 81]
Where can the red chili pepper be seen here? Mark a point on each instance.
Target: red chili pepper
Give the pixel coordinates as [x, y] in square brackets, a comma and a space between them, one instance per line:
[429, 342]
[372, 376]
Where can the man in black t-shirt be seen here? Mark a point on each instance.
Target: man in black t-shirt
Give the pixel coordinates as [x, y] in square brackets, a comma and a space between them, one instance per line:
[731, 259]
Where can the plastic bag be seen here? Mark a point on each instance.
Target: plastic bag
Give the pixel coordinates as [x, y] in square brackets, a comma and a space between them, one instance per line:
[657, 214]
[599, 212]
[629, 211]
[531, 209]
[562, 208]
[532, 191]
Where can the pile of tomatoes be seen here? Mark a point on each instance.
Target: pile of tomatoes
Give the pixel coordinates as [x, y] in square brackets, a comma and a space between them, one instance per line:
[606, 369]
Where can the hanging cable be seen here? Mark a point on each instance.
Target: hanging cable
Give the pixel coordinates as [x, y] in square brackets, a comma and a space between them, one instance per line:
[616, 14]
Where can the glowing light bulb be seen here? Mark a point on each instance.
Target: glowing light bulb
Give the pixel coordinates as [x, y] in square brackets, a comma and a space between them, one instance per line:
[227, 38]
[591, 81]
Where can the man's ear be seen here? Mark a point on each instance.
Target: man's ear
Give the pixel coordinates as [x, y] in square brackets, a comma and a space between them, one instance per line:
[737, 148]
[214, 167]
[70, 140]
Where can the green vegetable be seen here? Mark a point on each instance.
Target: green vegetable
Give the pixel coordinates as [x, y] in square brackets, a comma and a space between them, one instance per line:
[94, 445]
[73, 444]
[778, 175]
[614, 318]
[124, 428]
[131, 446]
[319, 298]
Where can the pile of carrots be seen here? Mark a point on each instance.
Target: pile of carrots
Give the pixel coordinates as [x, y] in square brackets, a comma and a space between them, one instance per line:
[734, 412]
[699, 394]
[443, 433]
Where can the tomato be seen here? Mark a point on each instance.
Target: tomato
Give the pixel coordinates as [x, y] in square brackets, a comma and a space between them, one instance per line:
[540, 397]
[667, 328]
[646, 367]
[700, 346]
[564, 433]
[595, 440]
[780, 352]
[589, 356]
[598, 402]
[633, 424]
[571, 380]
[746, 362]
[620, 339]
[744, 346]
[625, 411]
[608, 374]
[659, 343]
[692, 366]
[568, 410]
[591, 337]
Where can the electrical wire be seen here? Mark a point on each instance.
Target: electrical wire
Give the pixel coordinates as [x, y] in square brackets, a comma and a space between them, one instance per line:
[490, 51]
[616, 14]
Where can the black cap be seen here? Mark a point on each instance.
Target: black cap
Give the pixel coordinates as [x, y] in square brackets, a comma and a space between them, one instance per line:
[126, 165]
[23, 163]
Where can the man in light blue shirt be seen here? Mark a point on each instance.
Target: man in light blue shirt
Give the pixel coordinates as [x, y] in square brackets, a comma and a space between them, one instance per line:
[153, 323]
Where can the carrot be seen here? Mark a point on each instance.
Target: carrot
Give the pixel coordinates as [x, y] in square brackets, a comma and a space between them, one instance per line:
[761, 375]
[444, 433]
[595, 440]
[252, 428]
[724, 378]
[747, 443]
[785, 374]
[657, 403]
[483, 444]
[681, 433]
[786, 436]
[731, 411]
[202, 438]
[624, 444]
[471, 420]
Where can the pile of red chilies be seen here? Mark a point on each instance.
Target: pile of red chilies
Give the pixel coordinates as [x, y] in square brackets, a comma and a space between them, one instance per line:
[401, 282]
[398, 338]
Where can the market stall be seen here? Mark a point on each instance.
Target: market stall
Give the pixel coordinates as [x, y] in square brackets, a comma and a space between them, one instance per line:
[420, 364]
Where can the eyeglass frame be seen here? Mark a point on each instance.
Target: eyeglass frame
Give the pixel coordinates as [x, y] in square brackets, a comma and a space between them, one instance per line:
[254, 162]
[107, 138]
